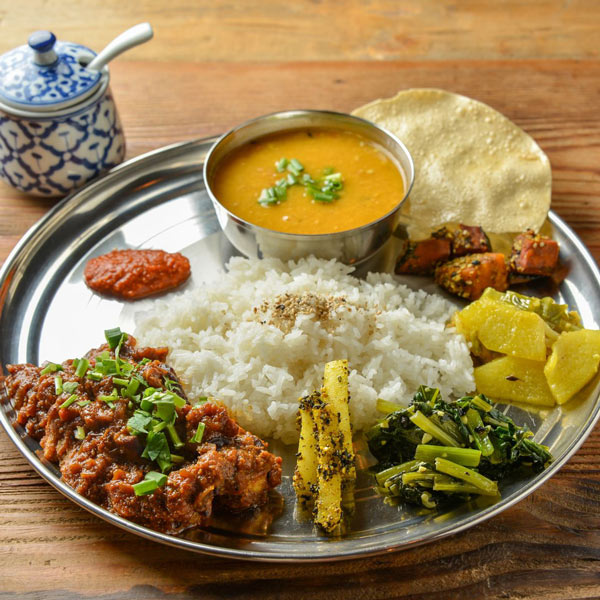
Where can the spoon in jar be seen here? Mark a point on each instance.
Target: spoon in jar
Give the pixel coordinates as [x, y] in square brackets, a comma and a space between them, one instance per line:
[138, 34]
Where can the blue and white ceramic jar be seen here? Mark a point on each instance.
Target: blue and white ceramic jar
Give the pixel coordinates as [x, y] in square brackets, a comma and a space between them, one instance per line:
[59, 126]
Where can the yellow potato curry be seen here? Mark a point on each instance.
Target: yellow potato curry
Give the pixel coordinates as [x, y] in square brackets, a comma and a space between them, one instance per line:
[309, 181]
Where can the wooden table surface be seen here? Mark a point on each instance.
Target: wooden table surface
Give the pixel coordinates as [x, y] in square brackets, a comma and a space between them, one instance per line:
[214, 64]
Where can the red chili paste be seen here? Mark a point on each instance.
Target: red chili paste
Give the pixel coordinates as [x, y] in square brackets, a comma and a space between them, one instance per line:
[133, 274]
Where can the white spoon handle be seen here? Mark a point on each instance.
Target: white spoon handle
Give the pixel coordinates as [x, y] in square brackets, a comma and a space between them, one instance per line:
[138, 34]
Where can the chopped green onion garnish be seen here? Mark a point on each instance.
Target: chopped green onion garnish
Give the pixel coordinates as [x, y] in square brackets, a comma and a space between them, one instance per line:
[281, 164]
[165, 464]
[113, 337]
[267, 198]
[147, 486]
[333, 177]
[322, 196]
[111, 398]
[126, 368]
[83, 403]
[131, 389]
[159, 426]
[109, 366]
[160, 478]
[200, 401]
[58, 386]
[82, 366]
[118, 350]
[51, 368]
[197, 439]
[296, 165]
[176, 458]
[69, 401]
[80, 433]
[120, 381]
[95, 376]
[146, 404]
[174, 436]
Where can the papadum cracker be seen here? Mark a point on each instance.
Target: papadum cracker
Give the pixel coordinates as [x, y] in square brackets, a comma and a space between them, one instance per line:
[472, 164]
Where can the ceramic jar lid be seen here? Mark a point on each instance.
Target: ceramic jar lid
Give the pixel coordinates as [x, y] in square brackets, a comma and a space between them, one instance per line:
[46, 75]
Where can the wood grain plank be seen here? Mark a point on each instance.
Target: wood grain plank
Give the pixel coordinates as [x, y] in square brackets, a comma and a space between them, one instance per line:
[197, 100]
[547, 546]
[316, 30]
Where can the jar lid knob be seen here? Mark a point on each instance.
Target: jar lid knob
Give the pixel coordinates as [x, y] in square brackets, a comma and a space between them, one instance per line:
[42, 44]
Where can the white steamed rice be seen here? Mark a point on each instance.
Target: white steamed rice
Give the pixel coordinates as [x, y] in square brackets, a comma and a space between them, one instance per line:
[394, 338]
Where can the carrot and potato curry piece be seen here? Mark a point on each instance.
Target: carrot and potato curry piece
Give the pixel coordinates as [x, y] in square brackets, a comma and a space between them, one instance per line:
[534, 254]
[468, 276]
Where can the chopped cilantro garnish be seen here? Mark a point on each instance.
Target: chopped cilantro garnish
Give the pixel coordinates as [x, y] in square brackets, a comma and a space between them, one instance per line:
[157, 448]
[69, 386]
[165, 410]
[138, 423]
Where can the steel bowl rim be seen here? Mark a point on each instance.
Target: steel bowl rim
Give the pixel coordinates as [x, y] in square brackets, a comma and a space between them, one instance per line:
[337, 235]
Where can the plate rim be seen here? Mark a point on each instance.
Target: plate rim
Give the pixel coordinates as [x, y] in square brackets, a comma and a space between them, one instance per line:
[40, 466]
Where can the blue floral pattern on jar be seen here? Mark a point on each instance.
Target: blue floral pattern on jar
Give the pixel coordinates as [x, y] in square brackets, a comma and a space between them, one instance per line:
[33, 85]
[55, 155]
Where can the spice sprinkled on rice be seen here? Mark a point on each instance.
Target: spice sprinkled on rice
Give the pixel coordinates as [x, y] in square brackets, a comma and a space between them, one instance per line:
[258, 339]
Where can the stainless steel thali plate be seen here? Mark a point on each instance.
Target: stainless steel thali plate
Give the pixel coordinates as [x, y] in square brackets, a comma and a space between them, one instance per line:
[159, 201]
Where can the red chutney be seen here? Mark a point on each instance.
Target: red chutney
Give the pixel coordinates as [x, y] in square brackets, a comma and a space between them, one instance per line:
[133, 274]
